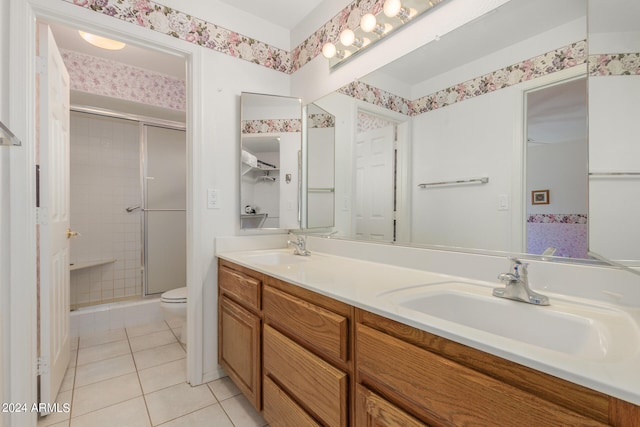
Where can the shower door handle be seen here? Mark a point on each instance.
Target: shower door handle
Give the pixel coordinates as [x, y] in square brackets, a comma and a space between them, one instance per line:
[132, 208]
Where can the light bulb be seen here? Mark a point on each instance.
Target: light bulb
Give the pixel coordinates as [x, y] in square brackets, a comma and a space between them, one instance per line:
[329, 50]
[368, 22]
[392, 7]
[347, 37]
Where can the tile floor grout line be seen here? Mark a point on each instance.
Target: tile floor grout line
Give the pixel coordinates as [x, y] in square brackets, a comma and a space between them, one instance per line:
[135, 365]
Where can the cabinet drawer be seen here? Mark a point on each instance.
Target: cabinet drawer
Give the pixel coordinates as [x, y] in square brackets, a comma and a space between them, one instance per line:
[373, 410]
[240, 287]
[322, 329]
[313, 383]
[282, 411]
[446, 393]
[239, 348]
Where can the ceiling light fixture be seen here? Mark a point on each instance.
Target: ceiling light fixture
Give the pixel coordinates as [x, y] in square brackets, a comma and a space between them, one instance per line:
[394, 14]
[102, 42]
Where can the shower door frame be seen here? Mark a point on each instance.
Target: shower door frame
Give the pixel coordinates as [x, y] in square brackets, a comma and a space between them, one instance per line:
[165, 124]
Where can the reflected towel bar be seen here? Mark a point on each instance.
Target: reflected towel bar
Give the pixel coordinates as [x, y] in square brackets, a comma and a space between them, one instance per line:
[482, 180]
[320, 190]
[613, 174]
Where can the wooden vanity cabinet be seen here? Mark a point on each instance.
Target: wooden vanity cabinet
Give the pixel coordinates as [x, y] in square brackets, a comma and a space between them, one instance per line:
[307, 359]
[405, 372]
[240, 328]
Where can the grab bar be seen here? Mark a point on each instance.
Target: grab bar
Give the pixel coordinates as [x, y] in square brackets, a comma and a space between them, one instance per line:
[482, 180]
[132, 208]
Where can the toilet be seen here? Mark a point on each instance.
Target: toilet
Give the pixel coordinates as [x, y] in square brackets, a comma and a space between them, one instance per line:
[174, 306]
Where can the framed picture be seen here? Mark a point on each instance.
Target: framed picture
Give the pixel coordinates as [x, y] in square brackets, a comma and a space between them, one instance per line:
[540, 197]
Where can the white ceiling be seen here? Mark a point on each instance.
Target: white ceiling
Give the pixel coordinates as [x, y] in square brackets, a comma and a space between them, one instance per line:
[284, 13]
[160, 62]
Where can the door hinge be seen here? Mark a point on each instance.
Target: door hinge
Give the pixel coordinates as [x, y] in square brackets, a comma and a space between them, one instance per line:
[43, 366]
[41, 65]
[41, 215]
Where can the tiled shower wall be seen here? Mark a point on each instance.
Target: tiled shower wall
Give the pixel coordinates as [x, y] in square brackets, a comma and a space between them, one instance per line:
[105, 180]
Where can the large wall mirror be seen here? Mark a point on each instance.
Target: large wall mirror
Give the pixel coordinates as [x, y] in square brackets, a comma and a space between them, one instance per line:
[614, 130]
[480, 141]
[271, 142]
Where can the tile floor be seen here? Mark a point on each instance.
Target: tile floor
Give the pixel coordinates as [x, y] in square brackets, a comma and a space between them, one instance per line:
[136, 377]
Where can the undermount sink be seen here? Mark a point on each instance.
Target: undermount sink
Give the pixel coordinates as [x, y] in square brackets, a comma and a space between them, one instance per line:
[277, 258]
[592, 332]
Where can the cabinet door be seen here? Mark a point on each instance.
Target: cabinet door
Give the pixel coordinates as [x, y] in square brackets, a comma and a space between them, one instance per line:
[239, 348]
[373, 410]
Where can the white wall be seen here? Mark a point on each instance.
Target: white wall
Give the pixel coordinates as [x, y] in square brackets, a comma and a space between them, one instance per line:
[562, 169]
[220, 158]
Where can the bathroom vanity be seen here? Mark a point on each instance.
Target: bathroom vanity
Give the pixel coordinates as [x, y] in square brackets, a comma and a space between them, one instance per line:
[322, 340]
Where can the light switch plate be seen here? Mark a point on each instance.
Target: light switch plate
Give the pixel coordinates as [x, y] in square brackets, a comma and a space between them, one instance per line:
[213, 199]
[503, 202]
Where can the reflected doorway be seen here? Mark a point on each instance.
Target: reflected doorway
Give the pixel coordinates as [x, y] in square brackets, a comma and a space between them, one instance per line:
[557, 169]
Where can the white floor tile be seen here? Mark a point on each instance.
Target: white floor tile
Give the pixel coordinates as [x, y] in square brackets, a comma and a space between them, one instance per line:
[102, 338]
[158, 355]
[242, 413]
[210, 416]
[223, 388]
[73, 358]
[103, 370]
[105, 393]
[176, 401]
[136, 331]
[100, 352]
[67, 381]
[162, 376]
[154, 339]
[130, 413]
[57, 417]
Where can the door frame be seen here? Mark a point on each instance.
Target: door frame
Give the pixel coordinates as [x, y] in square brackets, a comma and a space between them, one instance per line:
[21, 343]
[519, 188]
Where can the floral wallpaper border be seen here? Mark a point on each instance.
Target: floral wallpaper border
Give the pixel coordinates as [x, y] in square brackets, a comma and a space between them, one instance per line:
[321, 121]
[109, 78]
[614, 64]
[172, 22]
[180, 25]
[271, 125]
[550, 62]
[557, 218]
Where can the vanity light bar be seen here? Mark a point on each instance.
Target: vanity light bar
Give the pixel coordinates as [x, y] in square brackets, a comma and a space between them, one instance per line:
[483, 180]
[372, 28]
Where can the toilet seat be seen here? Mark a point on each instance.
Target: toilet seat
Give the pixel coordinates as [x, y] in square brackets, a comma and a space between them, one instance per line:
[175, 296]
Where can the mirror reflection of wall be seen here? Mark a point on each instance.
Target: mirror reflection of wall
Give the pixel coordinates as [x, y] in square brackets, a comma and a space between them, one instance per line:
[460, 101]
[614, 148]
[270, 143]
[320, 168]
[556, 170]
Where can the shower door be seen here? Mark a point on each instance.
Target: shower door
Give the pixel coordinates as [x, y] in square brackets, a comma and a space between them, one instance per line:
[165, 216]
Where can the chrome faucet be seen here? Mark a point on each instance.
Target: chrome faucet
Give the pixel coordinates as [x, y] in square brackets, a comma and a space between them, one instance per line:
[300, 246]
[517, 285]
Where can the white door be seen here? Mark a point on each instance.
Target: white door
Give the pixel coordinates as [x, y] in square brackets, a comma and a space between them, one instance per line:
[374, 184]
[53, 217]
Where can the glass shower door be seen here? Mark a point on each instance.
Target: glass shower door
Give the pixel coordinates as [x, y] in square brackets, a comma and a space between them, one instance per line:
[165, 209]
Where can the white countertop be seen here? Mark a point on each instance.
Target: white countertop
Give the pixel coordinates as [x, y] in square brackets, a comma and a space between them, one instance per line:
[359, 283]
